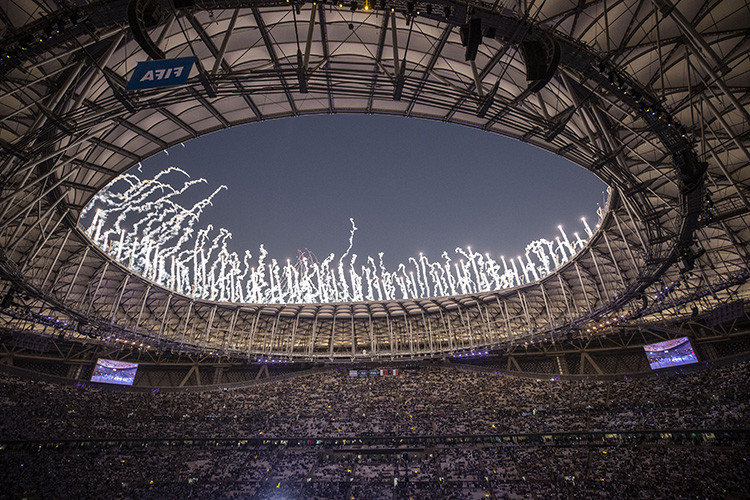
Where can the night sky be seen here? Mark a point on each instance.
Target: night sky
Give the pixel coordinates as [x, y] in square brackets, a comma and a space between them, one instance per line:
[411, 185]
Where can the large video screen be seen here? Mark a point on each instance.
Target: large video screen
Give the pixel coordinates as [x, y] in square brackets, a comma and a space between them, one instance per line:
[109, 371]
[673, 352]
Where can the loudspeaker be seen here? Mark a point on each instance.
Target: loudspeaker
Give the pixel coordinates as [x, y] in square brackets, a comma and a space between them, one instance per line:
[471, 37]
[535, 57]
[541, 56]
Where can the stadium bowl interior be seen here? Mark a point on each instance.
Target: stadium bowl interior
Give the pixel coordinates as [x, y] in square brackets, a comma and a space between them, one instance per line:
[478, 395]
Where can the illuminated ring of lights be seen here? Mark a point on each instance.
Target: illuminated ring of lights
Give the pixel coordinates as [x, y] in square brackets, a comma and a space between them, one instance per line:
[81, 146]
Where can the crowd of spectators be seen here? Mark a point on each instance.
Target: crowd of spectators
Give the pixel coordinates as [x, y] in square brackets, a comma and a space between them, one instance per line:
[448, 472]
[418, 402]
[425, 401]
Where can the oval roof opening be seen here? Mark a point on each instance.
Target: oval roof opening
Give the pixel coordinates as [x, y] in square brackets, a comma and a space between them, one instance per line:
[343, 209]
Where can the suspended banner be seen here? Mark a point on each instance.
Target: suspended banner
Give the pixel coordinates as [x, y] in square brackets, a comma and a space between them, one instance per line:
[161, 73]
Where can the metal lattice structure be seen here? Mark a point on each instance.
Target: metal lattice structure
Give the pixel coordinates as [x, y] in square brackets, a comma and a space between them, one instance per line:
[651, 96]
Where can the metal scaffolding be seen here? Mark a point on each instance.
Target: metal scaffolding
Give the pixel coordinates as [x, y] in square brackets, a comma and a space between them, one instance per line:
[650, 96]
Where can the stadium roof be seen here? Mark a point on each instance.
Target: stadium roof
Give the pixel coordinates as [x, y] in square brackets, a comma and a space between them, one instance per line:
[651, 96]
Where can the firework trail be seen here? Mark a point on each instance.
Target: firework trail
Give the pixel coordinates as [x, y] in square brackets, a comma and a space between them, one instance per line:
[167, 246]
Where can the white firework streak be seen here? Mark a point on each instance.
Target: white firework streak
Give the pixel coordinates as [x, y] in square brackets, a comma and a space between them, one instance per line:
[167, 245]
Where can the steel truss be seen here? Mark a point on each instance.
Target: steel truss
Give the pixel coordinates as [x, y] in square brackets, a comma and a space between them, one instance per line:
[645, 97]
[42, 350]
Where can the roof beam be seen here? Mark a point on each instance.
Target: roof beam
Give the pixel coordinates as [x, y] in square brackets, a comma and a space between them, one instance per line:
[482, 74]
[438, 48]
[174, 119]
[82, 187]
[220, 61]
[219, 58]
[326, 54]
[378, 59]
[138, 130]
[88, 165]
[115, 149]
[209, 107]
[272, 53]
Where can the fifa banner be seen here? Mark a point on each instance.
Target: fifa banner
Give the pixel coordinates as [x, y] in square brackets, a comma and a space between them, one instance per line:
[161, 73]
